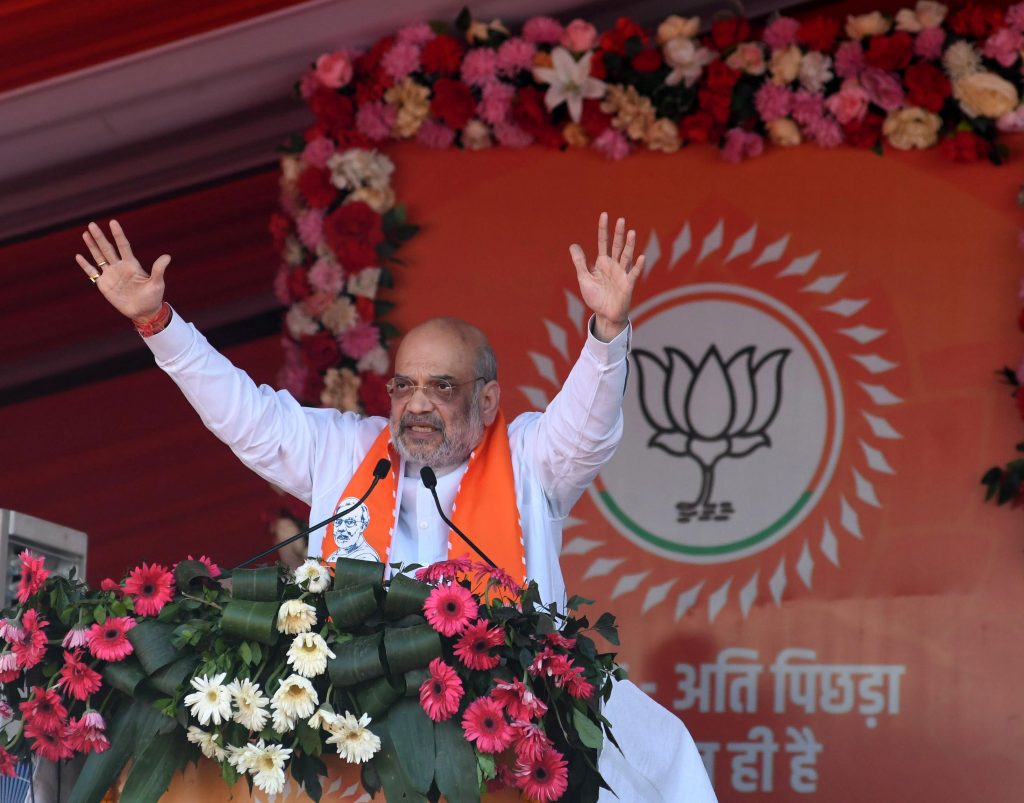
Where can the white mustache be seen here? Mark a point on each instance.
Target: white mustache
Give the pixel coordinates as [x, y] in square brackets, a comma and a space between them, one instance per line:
[410, 420]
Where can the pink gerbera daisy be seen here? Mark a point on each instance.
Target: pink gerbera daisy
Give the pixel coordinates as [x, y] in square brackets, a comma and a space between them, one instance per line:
[530, 741]
[44, 710]
[33, 574]
[76, 637]
[152, 587]
[88, 733]
[9, 667]
[32, 647]
[574, 683]
[485, 724]
[518, 700]
[108, 641]
[545, 778]
[81, 681]
[443, 570]
[558, 640]
[475, 644]
[51, 746]
[449, 609]
[441, 693]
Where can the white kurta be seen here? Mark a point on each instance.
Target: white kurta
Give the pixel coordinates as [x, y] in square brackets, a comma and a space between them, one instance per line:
[313, 453]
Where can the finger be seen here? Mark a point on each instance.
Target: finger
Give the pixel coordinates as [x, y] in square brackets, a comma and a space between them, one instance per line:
[94, 249]
[637, 270]
[160, 266]
[108, 251]
[627, 252]
[620, 230]
[124, 248]
[579, 259]
[602, 235]
[88, 267]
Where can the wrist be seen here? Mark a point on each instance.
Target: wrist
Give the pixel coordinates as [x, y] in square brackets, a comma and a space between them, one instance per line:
[606, 330]
[149, 325]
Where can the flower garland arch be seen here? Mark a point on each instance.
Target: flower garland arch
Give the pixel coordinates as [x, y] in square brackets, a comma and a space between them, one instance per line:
[923, 78]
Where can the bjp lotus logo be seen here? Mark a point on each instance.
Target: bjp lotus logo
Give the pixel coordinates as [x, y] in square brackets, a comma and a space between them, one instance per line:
[709, 410]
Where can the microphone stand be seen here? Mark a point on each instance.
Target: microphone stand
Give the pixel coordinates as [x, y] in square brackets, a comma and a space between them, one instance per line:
[380, 471]
[430, 482]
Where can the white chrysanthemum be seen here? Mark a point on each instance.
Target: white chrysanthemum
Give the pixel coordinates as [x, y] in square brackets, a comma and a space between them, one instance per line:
[323, 717]
[354, 742]
[293, 252]
[295, 617]
[250, 704]
[281, 722]
[961, 60]
[242, 758]
[267, 768]
[299, 323]
[357, 167]
[208, 743]
[312, 576]
[308, 654]
[295, 697]
[211, 700]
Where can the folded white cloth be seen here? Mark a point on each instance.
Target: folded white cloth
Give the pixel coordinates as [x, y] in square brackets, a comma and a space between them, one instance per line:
[659, 762]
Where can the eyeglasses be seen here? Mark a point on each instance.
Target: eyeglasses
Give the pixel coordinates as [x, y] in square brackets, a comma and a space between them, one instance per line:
[437, 390]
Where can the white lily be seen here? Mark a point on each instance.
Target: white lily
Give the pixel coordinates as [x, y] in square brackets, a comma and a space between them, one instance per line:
[569, 81]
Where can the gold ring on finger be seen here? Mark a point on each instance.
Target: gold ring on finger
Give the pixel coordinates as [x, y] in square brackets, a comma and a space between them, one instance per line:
[95, 278]
[102, 264]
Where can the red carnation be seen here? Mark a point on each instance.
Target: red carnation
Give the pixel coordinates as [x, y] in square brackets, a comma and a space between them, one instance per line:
[369, 62]
[298, 284]
[333, 110]
[366, 309]
[452, 102]
[696, 127]
[927, 86]
[890, 52]
[716, 104]
[964, 147]
[315, 185]
[865, 133]
[529, 112]
[976, 22]
[279, 228]
[373, 394]
[614, 41]
[818, 34]
[320, 351]
[728, 32]
[720, 77]
[594, 121]
[647, 61]
[442, 55]
[353, 232]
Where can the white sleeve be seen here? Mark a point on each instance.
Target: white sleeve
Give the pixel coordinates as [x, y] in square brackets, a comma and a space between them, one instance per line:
[268, 430]
[581, 427]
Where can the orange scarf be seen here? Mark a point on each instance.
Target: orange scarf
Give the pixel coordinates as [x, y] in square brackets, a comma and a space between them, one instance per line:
[485, 507]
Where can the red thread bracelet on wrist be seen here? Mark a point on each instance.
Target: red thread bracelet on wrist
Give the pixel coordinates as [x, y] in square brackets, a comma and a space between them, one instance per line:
[148, 327]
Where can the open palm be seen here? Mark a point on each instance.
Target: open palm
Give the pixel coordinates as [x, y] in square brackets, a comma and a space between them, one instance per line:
[118, 274]
[607, 286]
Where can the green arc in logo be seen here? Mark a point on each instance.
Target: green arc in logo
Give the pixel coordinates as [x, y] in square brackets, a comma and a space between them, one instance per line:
[720, 549]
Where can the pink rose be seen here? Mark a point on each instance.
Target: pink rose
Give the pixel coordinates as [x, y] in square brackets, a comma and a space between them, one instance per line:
[849, 104]
[334, 69]
[579, 36]
[882, 88]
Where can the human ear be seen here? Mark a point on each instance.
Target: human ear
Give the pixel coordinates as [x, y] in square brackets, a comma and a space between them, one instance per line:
[489, 398]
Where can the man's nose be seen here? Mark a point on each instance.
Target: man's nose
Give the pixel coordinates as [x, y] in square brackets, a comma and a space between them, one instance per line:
[419, 402]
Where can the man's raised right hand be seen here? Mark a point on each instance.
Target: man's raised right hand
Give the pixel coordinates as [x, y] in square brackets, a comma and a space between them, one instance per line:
[119, 276]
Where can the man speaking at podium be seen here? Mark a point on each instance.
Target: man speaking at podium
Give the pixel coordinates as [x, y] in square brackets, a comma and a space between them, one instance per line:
[508, 486]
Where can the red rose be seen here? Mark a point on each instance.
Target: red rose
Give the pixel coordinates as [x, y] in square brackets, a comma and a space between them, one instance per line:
[594, 121]
[370, 80]
[279, 228]
[696, 127]
[866, 133]
[818, 34]
[442, 55]
[927, 86]
[614, 41]
[452, 102]
[717, 104]
[598, 69]
[729, 31]
[333, 110]
[529, 112]
[647, 61]
[721, 78]
[366, 309]
[890, 52]
[976, 21]
[353, 232]
[373, 394]
[315, 185]
[320, 350]
[964, 147]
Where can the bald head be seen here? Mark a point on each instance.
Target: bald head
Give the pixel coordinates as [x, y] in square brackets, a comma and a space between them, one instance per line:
[450, 337]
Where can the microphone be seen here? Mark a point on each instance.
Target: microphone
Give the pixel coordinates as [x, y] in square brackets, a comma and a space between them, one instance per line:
[380, 471]
[430, 482]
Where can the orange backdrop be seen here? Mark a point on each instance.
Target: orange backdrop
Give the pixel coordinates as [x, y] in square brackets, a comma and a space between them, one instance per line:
[842, 612]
